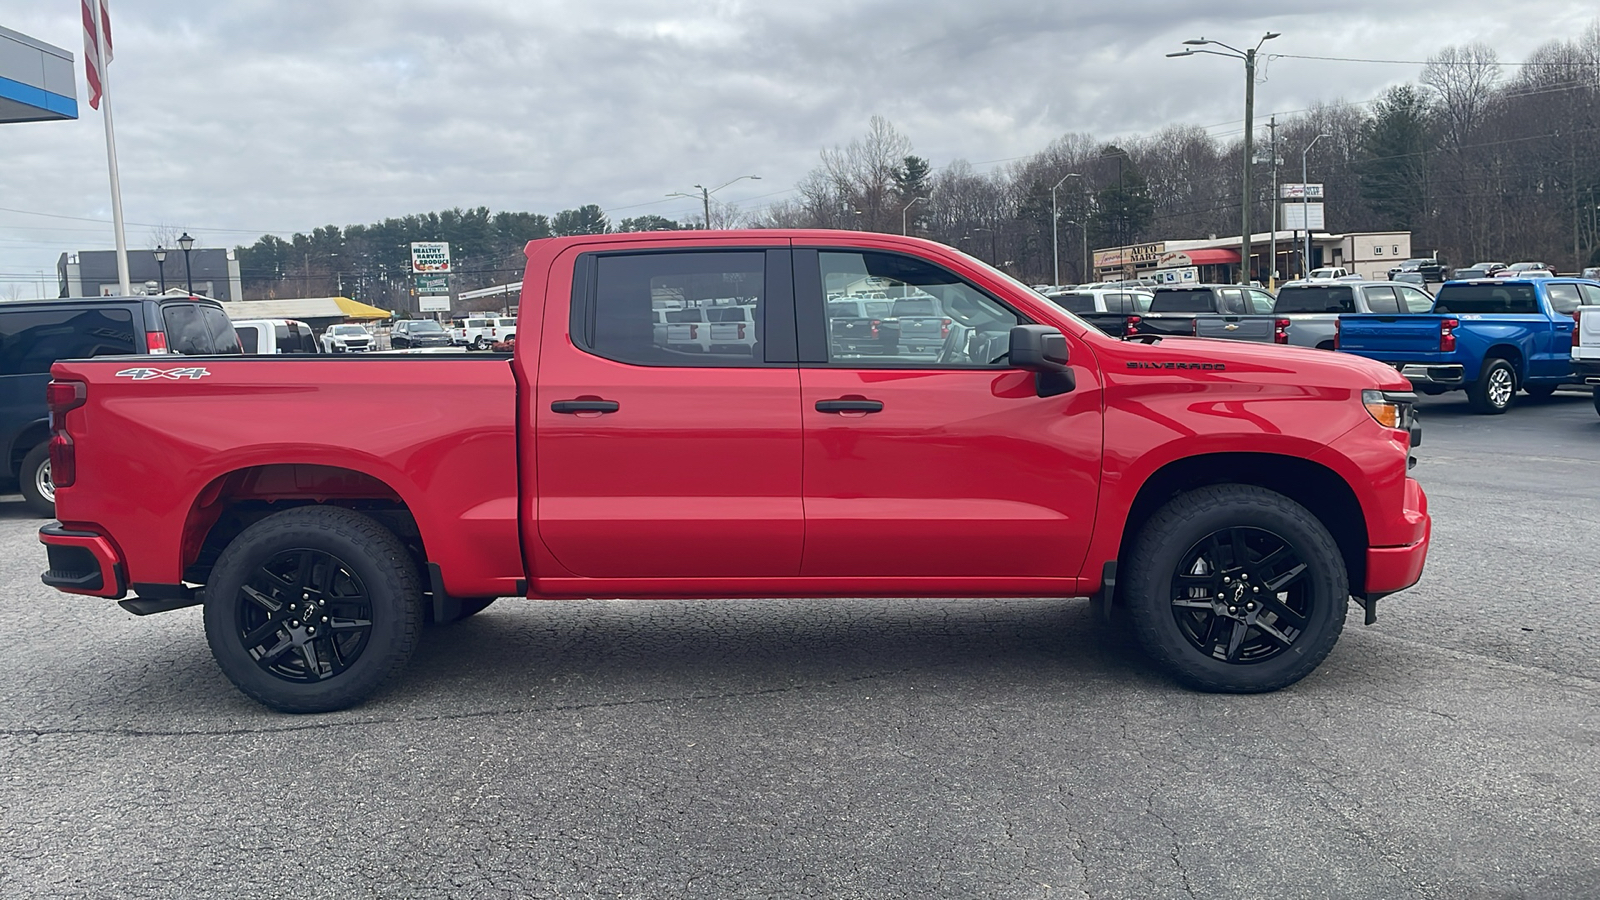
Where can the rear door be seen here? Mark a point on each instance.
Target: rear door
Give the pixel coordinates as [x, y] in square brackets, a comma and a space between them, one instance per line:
[947, 466]
[31, 339]
[658, 462]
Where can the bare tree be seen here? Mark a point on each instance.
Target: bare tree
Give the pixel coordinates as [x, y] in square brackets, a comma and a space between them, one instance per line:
[1461, 83]
[863, 174]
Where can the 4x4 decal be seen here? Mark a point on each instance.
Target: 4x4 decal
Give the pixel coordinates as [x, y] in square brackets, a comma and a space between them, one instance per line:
[191, 373]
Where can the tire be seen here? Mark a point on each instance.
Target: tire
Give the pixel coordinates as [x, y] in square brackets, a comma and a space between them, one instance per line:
[1597, 401]
[1540, 391]
[1495, 388]
[363, 588]
[478, 343]
[1212, 541]
[34, 481]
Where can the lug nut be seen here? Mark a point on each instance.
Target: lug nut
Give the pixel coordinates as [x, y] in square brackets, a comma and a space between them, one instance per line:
[1249, 606]
[324, 618]
[1233, 609]
[1256, 589]
[1227, 580]
[1221, 596]
[1245, 577]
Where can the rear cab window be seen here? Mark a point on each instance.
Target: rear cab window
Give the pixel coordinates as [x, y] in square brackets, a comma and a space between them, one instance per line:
[32, 339]
[1183, 300]
[1487, 299]
[1315, 299]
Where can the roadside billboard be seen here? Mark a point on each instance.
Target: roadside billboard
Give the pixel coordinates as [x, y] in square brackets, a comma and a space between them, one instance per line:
[430, 256]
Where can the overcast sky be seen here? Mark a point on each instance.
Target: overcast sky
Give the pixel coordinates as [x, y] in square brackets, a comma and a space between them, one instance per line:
[244, 117]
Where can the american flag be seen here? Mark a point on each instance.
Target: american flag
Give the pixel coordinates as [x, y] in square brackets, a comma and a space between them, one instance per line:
[93, 59]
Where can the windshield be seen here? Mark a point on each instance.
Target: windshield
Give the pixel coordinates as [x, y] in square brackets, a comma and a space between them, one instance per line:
[349, 329]
[423, 325]
[1314, 300]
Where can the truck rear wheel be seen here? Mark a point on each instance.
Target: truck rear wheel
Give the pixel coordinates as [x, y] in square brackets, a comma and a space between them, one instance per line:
[313, 609]
[1492, 393]
[1236, 589]
[34, 481]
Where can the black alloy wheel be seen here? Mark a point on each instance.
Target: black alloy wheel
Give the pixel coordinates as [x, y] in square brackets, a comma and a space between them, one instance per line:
[1240, 595]
[1235, 588]
[303, 615]
[312, 609]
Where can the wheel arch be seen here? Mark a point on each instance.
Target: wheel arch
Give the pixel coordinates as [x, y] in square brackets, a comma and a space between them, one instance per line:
[233, 501]
[1511, 354]
[30, 436]
[1321, 490]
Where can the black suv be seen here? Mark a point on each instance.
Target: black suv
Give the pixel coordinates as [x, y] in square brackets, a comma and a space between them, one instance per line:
[36, 333]
[408, 333]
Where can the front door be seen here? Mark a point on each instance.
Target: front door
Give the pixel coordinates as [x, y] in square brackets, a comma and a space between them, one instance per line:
[943, 464]
[663, 459]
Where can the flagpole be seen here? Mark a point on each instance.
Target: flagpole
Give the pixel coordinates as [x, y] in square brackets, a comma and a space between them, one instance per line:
[111, 153]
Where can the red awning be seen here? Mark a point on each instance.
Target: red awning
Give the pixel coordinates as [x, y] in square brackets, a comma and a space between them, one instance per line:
[1212, 257]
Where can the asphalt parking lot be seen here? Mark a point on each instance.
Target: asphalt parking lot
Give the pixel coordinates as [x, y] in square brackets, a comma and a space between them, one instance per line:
[866, 748]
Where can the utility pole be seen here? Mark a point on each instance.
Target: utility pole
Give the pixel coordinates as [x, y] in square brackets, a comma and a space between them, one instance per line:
[1249, 160]
[1272, 265]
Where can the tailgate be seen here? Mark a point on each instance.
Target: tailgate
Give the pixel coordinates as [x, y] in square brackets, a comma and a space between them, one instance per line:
[1588, 346]
[1235, 328]
[1400, 338]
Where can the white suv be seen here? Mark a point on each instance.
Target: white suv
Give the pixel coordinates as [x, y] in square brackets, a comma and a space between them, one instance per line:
[346, 339]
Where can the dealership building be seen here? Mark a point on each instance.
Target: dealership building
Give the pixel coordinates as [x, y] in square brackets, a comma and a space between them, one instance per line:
[1215, 260]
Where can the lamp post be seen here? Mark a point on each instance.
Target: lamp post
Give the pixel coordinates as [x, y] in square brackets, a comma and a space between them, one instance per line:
[914, 202]
[1249, 57]
[1305, 206]
[705, 194]
[187, 243]
[161, 266]
[1055, 241]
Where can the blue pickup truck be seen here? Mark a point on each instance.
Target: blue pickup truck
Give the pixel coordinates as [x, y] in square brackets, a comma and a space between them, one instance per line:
[1486, 336]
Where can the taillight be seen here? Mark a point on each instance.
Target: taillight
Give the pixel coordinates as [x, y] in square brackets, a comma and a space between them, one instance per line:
[63, 397]
[155, 341]
[1132, 327]
[1575, 341]
[1447, 334]
[875, 324]
[944, 329]
[694, 332]
[1336, 329]
[741, 331]
[1280, 331]
[1194, 326]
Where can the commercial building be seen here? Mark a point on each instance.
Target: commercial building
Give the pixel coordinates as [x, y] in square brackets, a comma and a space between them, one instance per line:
[93, 273]
[36, 83]
[1215, 260]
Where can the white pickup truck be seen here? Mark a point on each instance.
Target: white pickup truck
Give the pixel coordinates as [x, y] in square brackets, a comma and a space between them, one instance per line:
[1586, 348]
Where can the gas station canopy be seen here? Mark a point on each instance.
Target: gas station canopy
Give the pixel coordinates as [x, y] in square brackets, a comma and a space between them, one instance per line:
[36, 80]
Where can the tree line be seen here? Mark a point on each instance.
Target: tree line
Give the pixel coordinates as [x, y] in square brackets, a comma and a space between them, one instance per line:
[1479, 159]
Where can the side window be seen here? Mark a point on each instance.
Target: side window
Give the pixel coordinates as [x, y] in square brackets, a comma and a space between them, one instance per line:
[1590, 294]
[935, 318]
[249, 338]
[1261, 303]
[31, 340]
[186, 332]
[223, 338]
[1230, 301]
[1564, 299]
[1415, 301]
[1381, 299]
[677, 309]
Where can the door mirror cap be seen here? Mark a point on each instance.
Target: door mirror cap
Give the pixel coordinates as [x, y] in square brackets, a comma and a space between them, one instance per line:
[1039, 348]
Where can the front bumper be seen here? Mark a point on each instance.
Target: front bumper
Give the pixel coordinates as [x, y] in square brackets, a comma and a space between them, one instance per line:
[82, 562]
[1391, 569]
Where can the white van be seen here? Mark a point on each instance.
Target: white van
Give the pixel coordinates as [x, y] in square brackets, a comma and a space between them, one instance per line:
[272, 336]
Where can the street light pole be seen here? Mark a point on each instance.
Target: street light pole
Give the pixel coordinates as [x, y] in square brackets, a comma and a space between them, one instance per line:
[187, 243]
[1055, 216]
[1305, 207]
[161, 266]
[1249, 57]
[705, 194]
[1083, 273]
[914, 202]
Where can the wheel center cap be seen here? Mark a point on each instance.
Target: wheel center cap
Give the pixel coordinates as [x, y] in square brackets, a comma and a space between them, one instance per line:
[1239, 591]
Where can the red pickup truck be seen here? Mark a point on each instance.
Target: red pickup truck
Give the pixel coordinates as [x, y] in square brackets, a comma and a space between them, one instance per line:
[1232, 498]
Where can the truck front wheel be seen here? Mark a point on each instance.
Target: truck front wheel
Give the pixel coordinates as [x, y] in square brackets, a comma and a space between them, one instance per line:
[313, 609]
[1491, 394]
[1236, 589]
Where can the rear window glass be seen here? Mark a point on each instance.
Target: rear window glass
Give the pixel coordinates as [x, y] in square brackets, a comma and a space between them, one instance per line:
[916, 307]
[684, 315]
[30, 340]
[1197, 300]
[1073, 303]
[1315, 299]
[1486, 299]
[186, 331]
[736, 314]
[1564, 298]
[250, 338]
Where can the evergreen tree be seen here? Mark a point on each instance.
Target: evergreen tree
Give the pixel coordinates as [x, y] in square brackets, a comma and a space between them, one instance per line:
[1123, 208]
[586, 219]
[649, 223]
[1394, 147]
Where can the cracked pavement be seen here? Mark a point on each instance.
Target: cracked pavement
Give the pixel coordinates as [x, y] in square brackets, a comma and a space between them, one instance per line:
[852, 748]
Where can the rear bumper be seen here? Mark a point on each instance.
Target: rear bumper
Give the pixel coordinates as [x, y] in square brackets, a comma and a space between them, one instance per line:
[82, 562]
[1430, 374]
[1391, 569]
[1588, 370]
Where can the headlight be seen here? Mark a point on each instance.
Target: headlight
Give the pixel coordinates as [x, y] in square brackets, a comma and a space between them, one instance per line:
[1391, 409]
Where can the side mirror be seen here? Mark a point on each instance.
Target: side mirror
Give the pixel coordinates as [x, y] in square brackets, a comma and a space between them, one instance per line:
[1042, 349]
[1038, 348]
